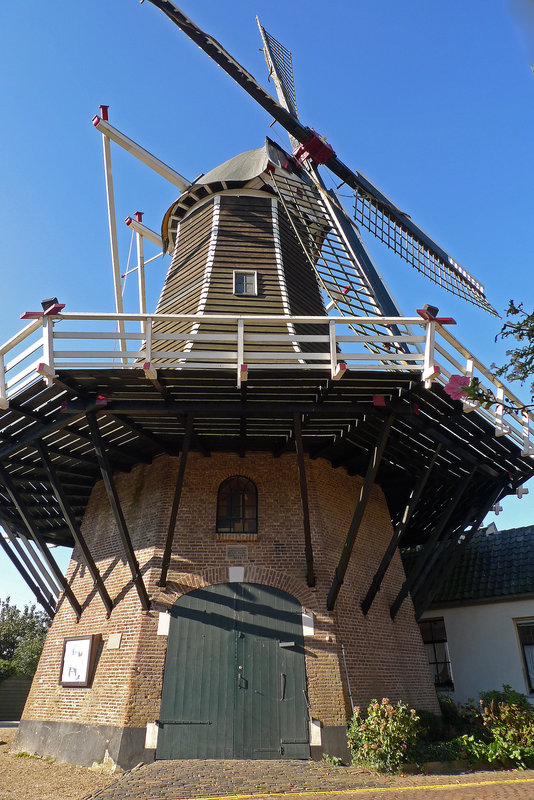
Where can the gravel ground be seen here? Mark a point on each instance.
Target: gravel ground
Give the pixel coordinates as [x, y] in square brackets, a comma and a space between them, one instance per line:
[32, 778]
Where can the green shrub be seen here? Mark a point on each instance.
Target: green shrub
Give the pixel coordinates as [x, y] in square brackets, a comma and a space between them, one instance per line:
[459, 719]
[385, 737]
[439, 751]
[505, 695]
[431, 725]
[335, 761]
[505, 731]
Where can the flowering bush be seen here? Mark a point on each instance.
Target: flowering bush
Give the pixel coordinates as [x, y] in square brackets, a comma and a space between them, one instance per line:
[507, 730]
[385, 737]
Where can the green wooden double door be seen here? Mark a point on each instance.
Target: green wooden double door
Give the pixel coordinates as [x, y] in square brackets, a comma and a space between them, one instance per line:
[235, 679]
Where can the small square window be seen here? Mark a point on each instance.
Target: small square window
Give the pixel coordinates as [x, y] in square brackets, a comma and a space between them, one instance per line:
[245, 283]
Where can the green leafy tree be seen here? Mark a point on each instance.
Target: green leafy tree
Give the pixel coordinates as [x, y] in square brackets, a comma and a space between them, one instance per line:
[22, 635]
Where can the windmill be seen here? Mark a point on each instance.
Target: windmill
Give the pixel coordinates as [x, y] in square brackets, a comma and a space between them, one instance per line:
[217, 472]
[343, 266]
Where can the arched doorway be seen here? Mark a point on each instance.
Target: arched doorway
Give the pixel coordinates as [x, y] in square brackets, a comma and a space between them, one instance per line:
[235, 679]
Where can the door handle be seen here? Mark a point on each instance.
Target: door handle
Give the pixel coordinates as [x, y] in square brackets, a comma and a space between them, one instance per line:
[283, 681]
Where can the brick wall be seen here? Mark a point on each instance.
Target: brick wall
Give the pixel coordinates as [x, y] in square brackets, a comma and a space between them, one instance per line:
[383, 657]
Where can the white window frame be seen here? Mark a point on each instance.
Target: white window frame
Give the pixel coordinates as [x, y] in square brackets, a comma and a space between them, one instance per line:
[523, 622]
[246, 272]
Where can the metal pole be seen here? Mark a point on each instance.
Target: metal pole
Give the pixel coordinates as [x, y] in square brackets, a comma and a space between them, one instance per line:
[141, 269]
[113, 230]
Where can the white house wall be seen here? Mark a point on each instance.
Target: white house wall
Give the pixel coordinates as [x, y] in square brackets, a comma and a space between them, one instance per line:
[484, 648]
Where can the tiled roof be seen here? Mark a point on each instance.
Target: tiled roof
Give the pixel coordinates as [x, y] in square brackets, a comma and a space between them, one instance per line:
[496, 564]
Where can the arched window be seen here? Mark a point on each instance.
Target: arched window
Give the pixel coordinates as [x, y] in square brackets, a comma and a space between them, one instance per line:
[237, 506]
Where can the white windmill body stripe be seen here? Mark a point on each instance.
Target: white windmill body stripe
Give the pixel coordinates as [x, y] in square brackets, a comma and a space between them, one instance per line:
[280, 268]
[208, 268]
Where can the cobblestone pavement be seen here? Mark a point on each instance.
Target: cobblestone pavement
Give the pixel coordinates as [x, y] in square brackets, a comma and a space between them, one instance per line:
[309, 780]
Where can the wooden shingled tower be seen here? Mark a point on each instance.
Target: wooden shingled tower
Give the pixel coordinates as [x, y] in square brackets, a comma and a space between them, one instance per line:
[237, 470]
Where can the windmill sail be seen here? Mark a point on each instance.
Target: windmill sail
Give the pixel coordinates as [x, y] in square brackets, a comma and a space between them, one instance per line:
[344, 269]
[374, 210]
[280, 63]
[342, 266]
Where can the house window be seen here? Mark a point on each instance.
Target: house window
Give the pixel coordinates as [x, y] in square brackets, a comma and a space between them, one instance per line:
[437, 651]
[245, 283]
[237, 506]
[526, 638]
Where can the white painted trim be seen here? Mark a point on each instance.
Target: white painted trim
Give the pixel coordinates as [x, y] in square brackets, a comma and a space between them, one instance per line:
[236, 574]
[171, 265]
[208, 268]
[308, 628]
[316, 738]
[280, 269]
[151, 736]
[164, 621]
[245, 272]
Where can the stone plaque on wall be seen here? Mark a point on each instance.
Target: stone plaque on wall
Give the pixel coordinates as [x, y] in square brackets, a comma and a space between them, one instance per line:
[236, 552]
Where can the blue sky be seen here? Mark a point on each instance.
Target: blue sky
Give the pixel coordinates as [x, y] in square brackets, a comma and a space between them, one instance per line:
[434, 102]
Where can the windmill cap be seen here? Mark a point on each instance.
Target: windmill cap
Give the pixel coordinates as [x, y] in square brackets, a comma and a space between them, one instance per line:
[243, 170]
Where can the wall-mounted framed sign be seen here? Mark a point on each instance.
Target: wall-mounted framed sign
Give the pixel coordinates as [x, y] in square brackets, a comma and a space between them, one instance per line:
[79, 656]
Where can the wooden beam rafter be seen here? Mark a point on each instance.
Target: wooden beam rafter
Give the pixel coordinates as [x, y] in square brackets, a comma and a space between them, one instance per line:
[440, 571]
[73, 526]
[113, 497]
[411, 505]
[308, 548]
[41, 599]
[188, 435]
[38, 539]
[419, 568]
[365, 493]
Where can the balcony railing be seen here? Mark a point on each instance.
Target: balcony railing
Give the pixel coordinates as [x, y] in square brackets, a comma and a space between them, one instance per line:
[103, 341]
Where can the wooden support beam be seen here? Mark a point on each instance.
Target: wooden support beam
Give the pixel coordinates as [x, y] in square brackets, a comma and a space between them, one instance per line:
[32, 568]
[38, 539]
[413, 578]
[308, 548]
[37, 432]
[41, 599]
[176, 501]
[73, 526]
[237, 408]
[411, 505]
[441, 571]
[107, 477]
[365, 493]
[142, 433]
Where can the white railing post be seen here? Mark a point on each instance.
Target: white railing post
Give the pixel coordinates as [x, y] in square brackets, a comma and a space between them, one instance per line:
[242, 369]
[149, 370]
[430, 368]
[333, 347]
[500, 428]
[45, 367]
[4, 402]
[337, 370]
[469, 405]
[527, 449]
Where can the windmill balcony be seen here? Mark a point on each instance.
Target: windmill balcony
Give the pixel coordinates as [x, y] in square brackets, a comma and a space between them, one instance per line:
[337, 346]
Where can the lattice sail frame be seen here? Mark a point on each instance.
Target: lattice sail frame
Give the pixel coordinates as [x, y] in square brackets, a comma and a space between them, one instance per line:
[339, 275]
[387, 226]
[383, 220]
[280, 63]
